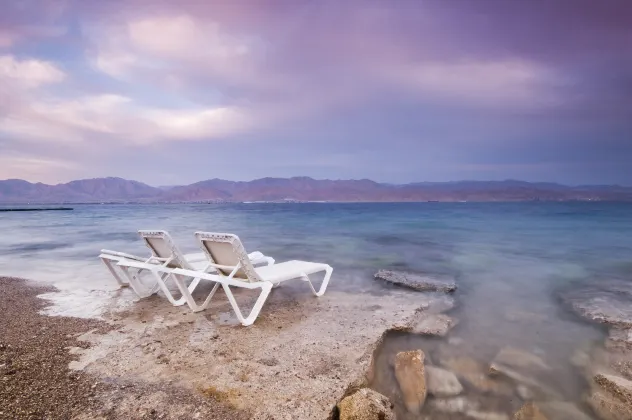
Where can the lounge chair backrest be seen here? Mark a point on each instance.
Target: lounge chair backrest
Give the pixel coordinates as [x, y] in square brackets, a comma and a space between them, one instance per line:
[225, 251]
[163, 247]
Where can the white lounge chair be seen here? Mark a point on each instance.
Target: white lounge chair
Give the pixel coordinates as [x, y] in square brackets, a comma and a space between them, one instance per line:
[164, 253]
[227, 255]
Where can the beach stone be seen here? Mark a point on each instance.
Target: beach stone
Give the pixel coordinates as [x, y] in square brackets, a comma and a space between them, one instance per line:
[435, 324]
[418, 282]
[529, 411]
[617, 386]
[365, 404]
[524, 392]
[442, 382]
[411, 377]
[608, 302]
[520, 359]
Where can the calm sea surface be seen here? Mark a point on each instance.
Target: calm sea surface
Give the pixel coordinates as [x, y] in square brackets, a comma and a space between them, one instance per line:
[510, 259]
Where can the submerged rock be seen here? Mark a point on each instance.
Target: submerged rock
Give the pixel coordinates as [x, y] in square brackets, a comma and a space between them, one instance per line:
[410, 374]
[533, 385]
[620, 338]
[608, 407]
[474, 374]
[442, 382]
[529, 411]
[415, 281]
[554, 410]
[434, 324]
[453, 405]
[365, 404]
[520, 359]
[609, 302]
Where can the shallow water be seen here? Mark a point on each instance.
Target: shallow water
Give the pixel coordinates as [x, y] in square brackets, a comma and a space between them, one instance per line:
[509, 259]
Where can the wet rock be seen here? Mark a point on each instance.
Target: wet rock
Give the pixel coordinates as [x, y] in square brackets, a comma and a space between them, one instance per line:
[529, 411]
[365, 404]
[442, 382]
[417, 281]
[616, 386]
[561, 410]
[410, 374]
[608, 302]
[474, 374]
[608, 407]
[519, 359]
[435, 324]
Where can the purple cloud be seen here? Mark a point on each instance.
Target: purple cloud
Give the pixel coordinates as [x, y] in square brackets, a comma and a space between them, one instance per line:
[437, 90]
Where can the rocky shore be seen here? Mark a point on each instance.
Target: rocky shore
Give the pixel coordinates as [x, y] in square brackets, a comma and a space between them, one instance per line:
[305, 358]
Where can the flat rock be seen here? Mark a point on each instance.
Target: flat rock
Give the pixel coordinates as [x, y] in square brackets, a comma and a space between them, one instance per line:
[365, 404]
[519, 359]
[617, 386]
[416, 281]
[410, 375]
[442, 382]
[486, 415]
[435, 324]
[608, 302]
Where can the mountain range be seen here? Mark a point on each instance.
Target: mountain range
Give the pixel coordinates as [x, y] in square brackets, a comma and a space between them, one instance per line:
[14, 191]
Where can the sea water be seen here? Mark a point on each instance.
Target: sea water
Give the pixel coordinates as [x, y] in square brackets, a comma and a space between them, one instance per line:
[510, 260]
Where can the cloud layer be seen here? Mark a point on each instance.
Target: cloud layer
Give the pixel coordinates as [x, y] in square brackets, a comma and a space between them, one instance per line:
[428, 90]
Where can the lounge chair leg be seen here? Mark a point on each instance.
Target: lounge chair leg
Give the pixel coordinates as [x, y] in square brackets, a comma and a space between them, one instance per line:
[188, 297]
[323, 285]
[119, 280]
[141, 290]
[254, 313]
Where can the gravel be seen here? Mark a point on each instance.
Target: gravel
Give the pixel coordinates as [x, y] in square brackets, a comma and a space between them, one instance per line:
[35, 382]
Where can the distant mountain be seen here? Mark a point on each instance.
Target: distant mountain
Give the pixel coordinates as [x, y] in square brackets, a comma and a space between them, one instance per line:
[302, 189]
[85, 190]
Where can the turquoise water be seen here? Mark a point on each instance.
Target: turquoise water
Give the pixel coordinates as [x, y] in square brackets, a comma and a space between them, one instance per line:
[509, 259]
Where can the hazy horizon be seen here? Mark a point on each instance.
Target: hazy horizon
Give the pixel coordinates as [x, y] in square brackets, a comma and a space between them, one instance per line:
[456, 181]
[171, 93]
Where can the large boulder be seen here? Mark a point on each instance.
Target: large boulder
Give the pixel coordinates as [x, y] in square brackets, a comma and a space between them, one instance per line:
[442, 382]
[365, 404]
[434, 324]
[415, 281]
[411, 377]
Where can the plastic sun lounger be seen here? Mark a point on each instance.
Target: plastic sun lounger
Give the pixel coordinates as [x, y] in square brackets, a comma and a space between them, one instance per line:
[164, 253]
[227, 255]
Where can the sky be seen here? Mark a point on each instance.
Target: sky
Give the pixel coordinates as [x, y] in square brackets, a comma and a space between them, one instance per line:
[172, 93]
